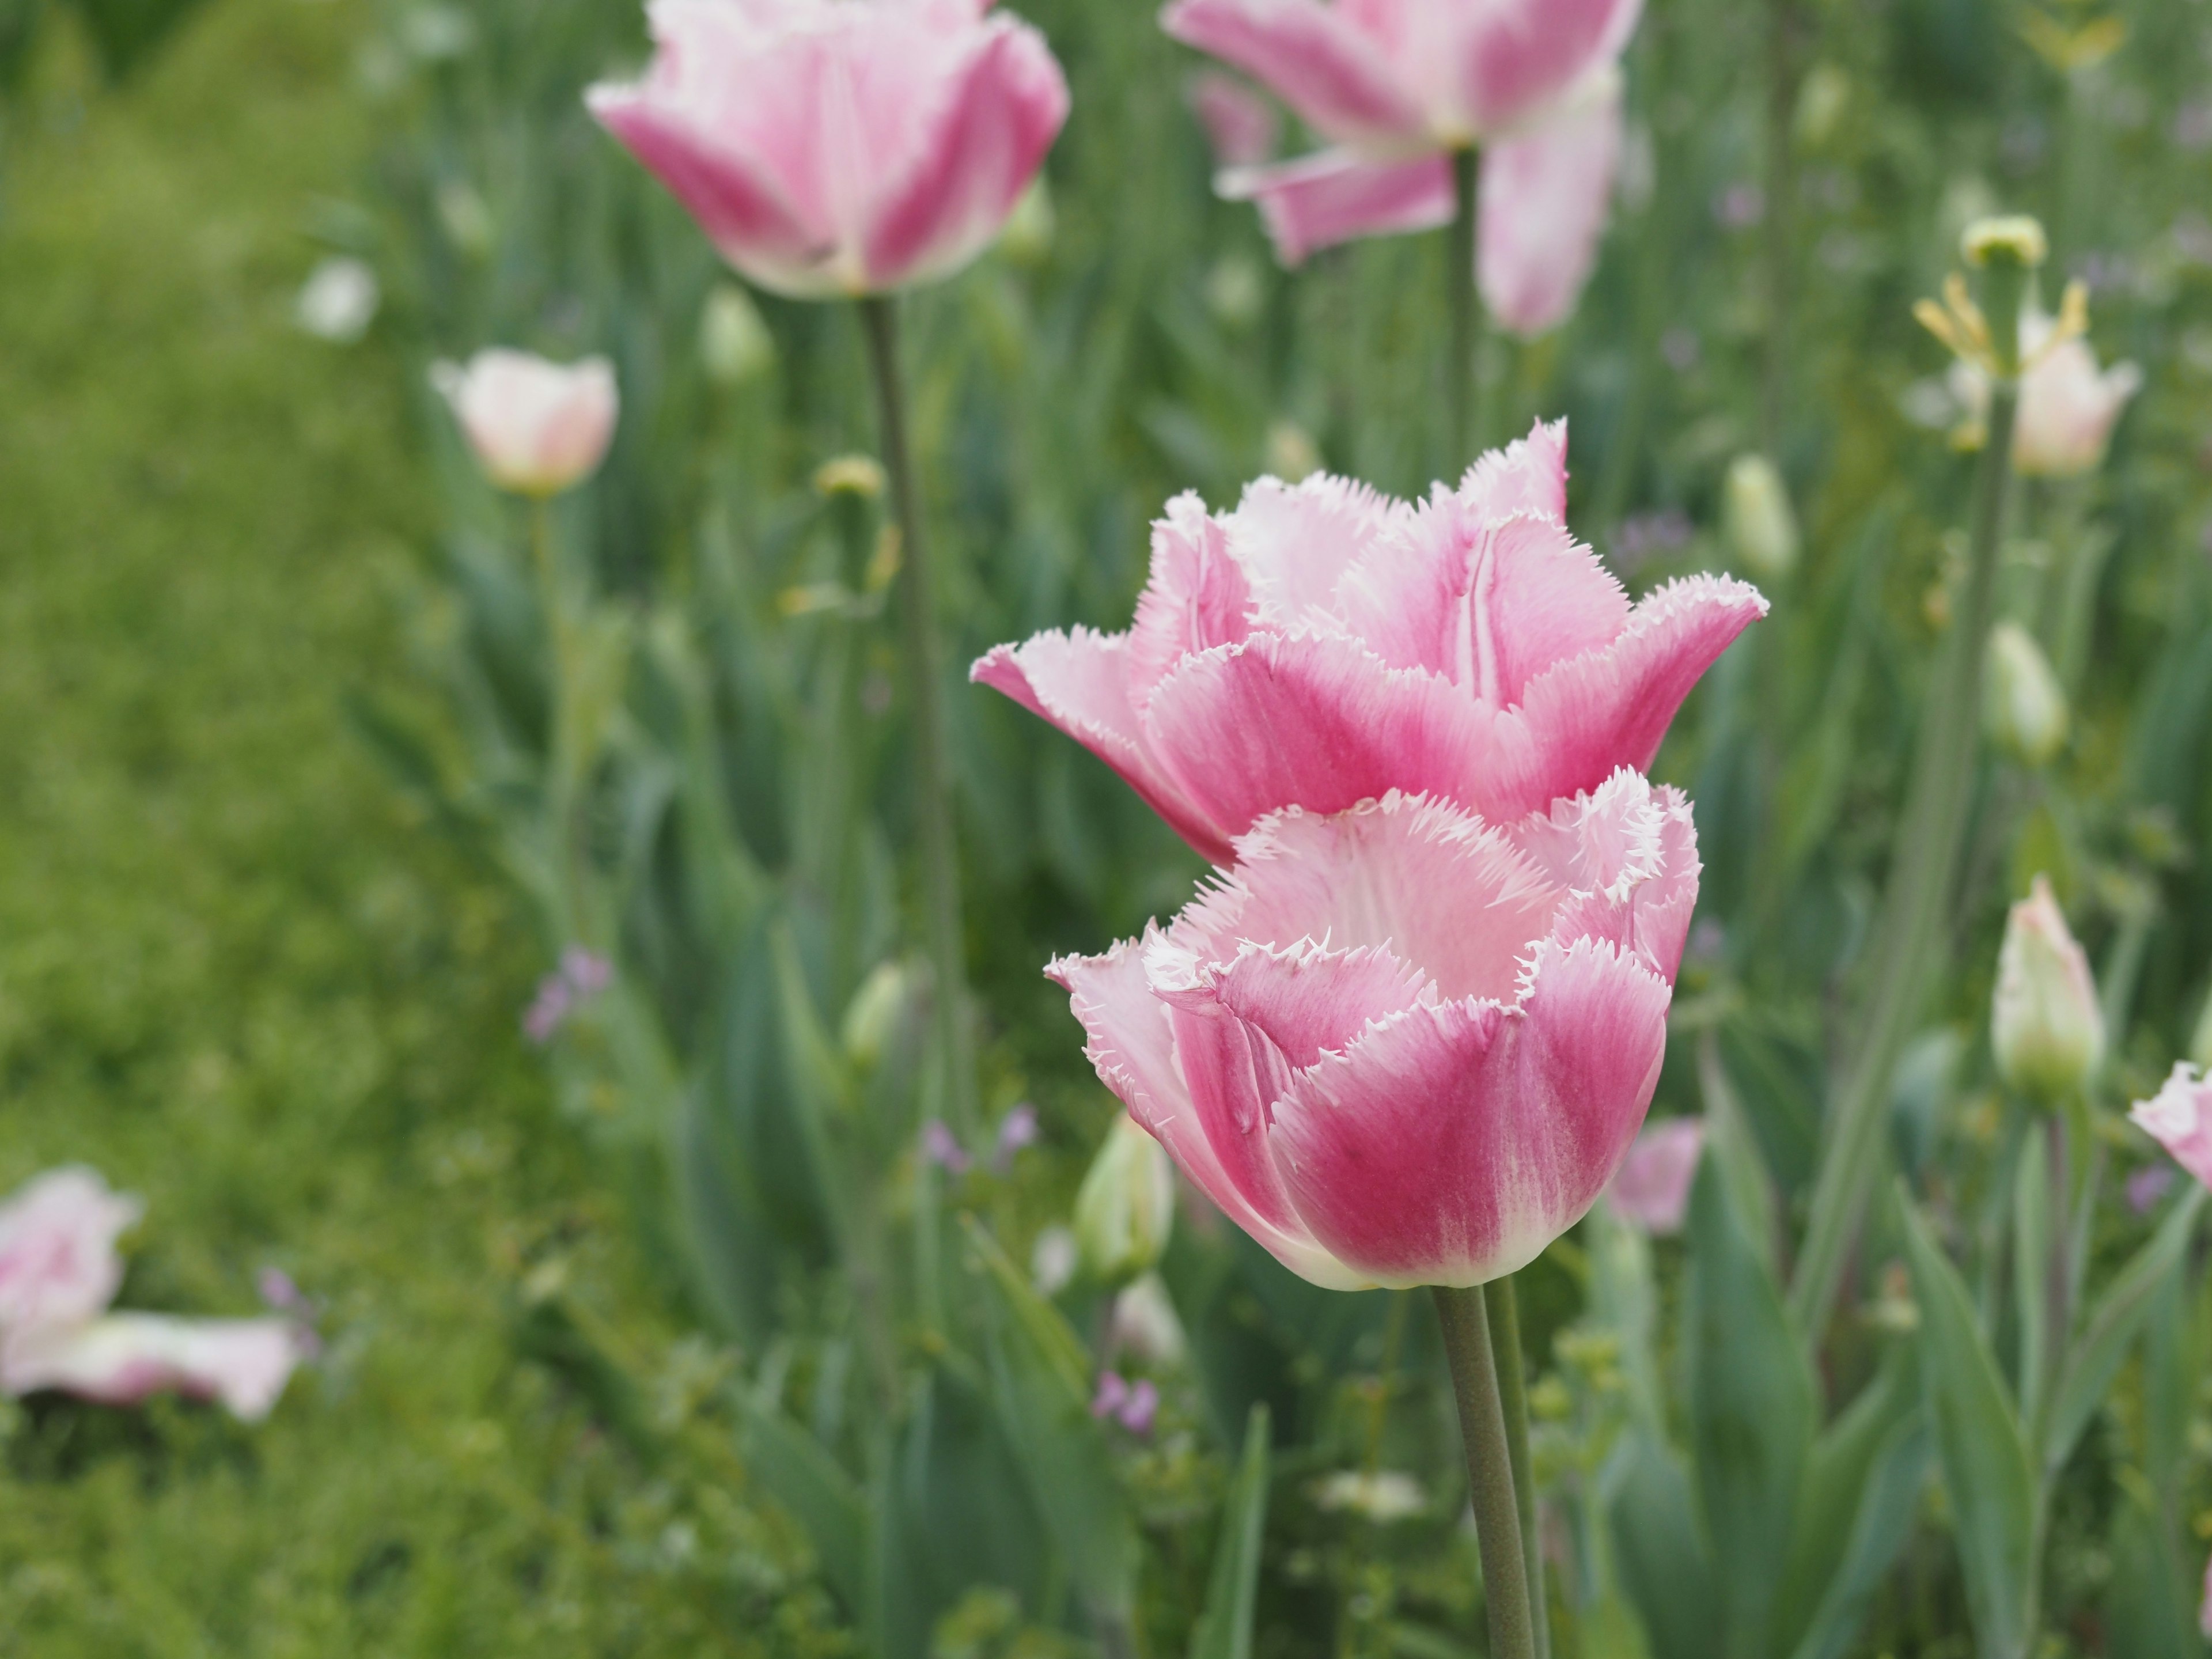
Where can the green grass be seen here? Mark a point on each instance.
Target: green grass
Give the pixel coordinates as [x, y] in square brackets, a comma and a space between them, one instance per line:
[239, 981]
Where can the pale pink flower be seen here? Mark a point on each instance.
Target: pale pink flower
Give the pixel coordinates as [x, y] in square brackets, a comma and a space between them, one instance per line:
[2047, 1027]
[537, 428]
[1399, 85]
[120, 1359]
[58, 1264]
[1322, 644]
[841, 147]
[1399, 1045]
[1133, 1406]
[1240, 124]
[2180, 1118]
[1653, 1188]
[2068, 406]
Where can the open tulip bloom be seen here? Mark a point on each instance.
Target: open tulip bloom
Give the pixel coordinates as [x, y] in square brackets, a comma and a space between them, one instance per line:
[1323, 645]
[1398, 87]
[836, 148]
[1399, 1045]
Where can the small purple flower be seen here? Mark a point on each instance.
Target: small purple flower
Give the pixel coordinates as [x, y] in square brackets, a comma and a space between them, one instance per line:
[1680, 347]
[1017, 1129]
[2148, 1185]
[281, 1294]
[2192, 124]
[943, 1148]
[2099, 271]
[1741, 206]
[1133, 1406]
[586, 971]
[581, 975]
[1645, 536]
[2192, 238]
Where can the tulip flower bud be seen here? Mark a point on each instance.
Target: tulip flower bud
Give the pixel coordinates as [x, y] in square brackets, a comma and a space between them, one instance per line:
[2024, 709]
[537, 428]
[1027, 239]
[873, 1013]
[1126, 1205]
[1761, 528]
[734, 344]
[2045, 1023]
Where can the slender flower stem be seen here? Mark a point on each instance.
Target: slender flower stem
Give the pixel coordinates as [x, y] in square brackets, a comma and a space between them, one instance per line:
[1780, 238]
[562, 786]
[1502, 1307]
[925, 670]
[1915, 907]
[1465, 1327]
[1463, 304]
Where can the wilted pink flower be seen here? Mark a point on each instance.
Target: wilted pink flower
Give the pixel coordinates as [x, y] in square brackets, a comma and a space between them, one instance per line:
[2180, 1118]
[1398, 87]
[1653, 1188]
[2068, 406]
[1401, 1046]
[537, 428]
[1240, 124]
[58, 1264]
[122, 1358]
[841, 147]
[1323, 644]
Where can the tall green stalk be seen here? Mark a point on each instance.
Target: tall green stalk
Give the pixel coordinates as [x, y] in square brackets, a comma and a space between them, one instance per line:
[1505, 1592]
[1910, 942]
[1503, 1308]
[1463, 305]
[925, 660]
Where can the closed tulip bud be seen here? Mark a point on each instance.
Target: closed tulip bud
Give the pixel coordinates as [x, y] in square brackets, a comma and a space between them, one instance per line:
[1761, 528]
[734, 344]
[537, 428]
[2045, 1026]
[873, 1013]
[1125, 1206]
[1027, 239]
[2024, 706]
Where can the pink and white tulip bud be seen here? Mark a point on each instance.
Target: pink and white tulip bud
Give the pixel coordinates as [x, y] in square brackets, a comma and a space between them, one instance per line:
[2068, 406]
[2023, 704]
[2045, 1026]
[1652, 1190]
[1399, 1046]
[2180, 1118]
[841, 147]
[537, 428]
[1323, 645]
[123, 1358]
[1144, 1324]
[1125, 1209]
[58, 1264]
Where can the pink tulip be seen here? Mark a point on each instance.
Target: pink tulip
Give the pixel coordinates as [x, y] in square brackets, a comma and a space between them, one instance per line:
[1240, 125]
[1399, 1045]
[537, 428]
[1322, 644]
[121, 1359]
[2068, 406]
[841, 147]
[59, 1263]
[1652, 1190]
[2180, 1118]
[1398, 85]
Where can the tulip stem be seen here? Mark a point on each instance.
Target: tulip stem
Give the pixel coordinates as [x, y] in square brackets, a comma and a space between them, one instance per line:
[561, 788]
[1910, 938]
[1503, 1306]
[1466, 1324]
[1463, 303]
[925, 670]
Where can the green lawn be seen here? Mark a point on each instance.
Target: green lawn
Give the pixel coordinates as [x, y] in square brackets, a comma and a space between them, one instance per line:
[237, 978]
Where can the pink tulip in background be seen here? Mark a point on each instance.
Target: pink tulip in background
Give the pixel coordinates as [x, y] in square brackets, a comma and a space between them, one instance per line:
[1652, 1190]
[1399, 85]
[834, 147]
[1399, 1046]
[59, 1269]
[2068, 406]
[1322, 645]
[537, 428]
[1241, 126]
[2180, 1118]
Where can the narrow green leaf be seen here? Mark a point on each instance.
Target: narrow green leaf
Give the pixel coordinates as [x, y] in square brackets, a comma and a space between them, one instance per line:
[821, 1088]
[1834, 1491]
[2095, 1360]
[1224, 1625]
[1995, 1500]
[1888, 1500]
[2147, 1605]
[1752, 1414]
[795, 1469]
[1660, 1557]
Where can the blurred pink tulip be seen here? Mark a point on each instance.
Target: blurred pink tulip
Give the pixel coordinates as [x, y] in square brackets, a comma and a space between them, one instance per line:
[2068, 406]
[59, 1263]
[1399, 1045]
[1322, 644]
[2180, 1118]
[841, 147]
[1398, 85]
[1240, 124]
[121, 1359]
[537, 428]
[1652, 1190]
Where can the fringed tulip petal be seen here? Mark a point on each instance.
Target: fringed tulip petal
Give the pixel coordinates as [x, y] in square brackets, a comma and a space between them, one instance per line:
[2180, 1118]
[1543, 206]
[1318, 201]
[59, 1263]
[1315, 58]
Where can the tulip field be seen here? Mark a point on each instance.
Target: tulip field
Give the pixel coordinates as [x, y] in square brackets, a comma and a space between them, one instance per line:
[925, 830]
